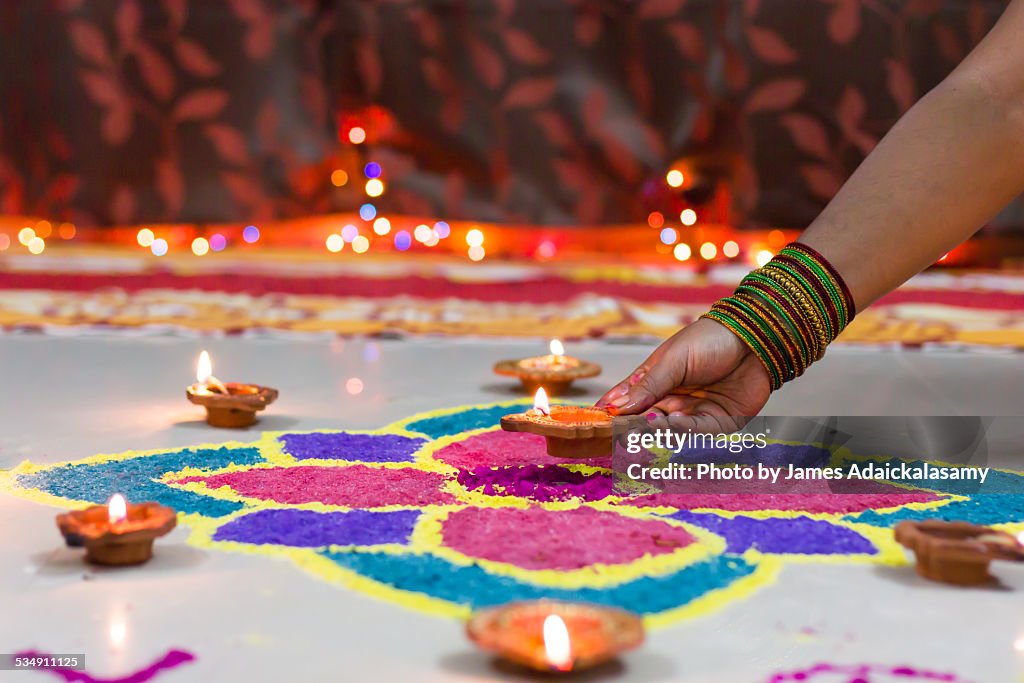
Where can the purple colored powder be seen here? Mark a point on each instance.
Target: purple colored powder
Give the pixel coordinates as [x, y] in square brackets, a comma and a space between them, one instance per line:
[309, 529]
[355, 447]
[862, 673]
[801, 535]
[170, 660]
[539, 482]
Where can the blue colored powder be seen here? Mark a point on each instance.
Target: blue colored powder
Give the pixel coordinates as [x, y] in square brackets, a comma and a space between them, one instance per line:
[473, 586]
[136, 478]
[473, 418]
[982, 508]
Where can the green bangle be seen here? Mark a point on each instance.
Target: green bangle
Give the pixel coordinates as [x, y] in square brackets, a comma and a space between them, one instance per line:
[748, 338]
[826, 280]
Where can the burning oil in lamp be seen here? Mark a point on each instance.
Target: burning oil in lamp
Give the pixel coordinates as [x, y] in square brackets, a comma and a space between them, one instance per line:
[957, 552]
[570, 431]
[557, 637]
[228, 404]
[118, 533]
[555, 371]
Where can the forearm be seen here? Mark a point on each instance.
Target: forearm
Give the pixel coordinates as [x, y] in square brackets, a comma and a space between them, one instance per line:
[950, 164]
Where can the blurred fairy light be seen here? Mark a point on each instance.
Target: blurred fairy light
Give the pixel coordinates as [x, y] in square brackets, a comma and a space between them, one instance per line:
[669, 236]
[546, 250]
[403, 240]
[36, 245]
[67, 231]
[44, 229]
[475, 238]
[682, 251]
[145, 237]
[5, 242]
[655, 219]
[339, 178]
[708, 251]
[731, 249]
[763, 257]
[476, 253]
[674, 178]
[218, 242]
[251, 234]
[200, 246]
[349, 232]
[372, 170]
[371, 352]
[26, 235]
[354, 386]
[688, 217]
[432, 239]
[360, 244]
[382, 226]
[335, 243]
[357, 135]
[367, 212]
[159, 246]
[374, 187]
[442, 229]
[422, 233]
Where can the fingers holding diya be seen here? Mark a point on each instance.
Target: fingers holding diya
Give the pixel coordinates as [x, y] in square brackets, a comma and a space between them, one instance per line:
[555, 372]
[228, 404]
[552, 636]
[570, 431]
[118, 533]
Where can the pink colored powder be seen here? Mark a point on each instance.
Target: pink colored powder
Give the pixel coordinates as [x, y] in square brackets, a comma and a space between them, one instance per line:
[568, 539]
[498, 448]
[814, 502]
[352, 486]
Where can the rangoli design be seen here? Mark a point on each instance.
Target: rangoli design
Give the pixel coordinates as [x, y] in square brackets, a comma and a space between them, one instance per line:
[443, 512]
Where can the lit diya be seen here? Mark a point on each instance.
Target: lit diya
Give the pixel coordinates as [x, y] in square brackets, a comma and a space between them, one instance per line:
[117, 533]
[555, 371]
[957, 552]
[570, 431]
[552, 636]
[228, 404]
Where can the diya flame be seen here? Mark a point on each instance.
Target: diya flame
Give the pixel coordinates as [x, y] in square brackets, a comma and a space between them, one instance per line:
[117, 509]
[540, 401]
[556, 643]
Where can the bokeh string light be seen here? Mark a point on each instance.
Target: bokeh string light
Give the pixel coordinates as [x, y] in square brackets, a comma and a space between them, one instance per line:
[335, 243]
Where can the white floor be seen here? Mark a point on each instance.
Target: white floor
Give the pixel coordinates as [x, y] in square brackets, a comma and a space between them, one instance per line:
[251, 618]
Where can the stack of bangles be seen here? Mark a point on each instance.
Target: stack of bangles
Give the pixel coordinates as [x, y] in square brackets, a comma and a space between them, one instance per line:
[788, 311]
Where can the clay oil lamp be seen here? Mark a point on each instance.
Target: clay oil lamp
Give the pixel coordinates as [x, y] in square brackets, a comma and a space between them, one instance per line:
[555, 371]
[957, 552]
[570, 431]
[228, 404]
[118, 533]
[555, 637]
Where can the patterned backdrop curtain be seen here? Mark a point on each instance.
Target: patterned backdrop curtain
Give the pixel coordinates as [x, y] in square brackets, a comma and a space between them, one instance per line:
[537, 111]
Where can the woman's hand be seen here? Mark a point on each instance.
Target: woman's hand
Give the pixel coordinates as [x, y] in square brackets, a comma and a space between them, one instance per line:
[703, 370]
